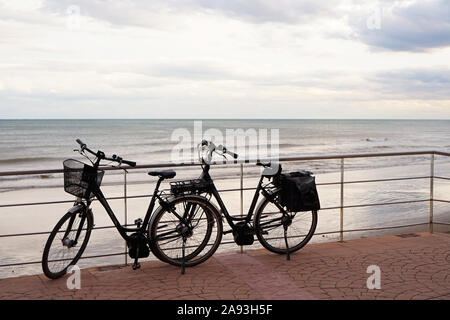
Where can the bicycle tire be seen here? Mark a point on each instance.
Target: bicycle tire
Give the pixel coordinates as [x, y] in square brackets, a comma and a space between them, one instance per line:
[193, 258]
[268, 241]
[50, 271]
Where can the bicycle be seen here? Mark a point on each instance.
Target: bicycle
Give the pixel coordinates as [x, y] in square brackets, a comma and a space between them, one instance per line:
[279, 230]
[178, 232]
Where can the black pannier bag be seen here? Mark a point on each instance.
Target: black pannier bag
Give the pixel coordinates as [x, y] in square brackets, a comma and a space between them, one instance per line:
[298, 191]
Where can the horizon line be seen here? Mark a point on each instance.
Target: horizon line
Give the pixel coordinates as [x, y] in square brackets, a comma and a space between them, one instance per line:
[238, 119]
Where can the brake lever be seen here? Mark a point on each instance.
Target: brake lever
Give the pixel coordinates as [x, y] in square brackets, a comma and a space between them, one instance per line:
[80, 152]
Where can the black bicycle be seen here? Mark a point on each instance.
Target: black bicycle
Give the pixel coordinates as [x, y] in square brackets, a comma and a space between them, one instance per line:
[283, 221]
[184, 230]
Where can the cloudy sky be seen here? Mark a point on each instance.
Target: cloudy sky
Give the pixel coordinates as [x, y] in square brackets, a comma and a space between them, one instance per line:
[224, 59]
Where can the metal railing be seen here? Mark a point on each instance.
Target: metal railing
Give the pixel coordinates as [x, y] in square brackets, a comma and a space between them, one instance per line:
[432, 178]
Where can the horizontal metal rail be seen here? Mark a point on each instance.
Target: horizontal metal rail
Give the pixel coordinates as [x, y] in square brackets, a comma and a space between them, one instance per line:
[432, 177]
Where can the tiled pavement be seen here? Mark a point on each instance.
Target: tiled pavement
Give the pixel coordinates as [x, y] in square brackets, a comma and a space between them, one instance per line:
[411, 268]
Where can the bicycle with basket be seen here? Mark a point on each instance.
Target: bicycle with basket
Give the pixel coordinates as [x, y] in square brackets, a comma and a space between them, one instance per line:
[183, 230]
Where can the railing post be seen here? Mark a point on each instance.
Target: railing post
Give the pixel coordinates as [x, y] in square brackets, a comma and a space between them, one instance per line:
[125, 210]
[431, 193]
[242, 196]
[341, 224]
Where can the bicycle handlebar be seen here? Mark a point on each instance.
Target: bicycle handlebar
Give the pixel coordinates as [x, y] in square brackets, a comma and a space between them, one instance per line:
[120, 160]
[102, 156]
[213, 148]
[130, 163]
[224, 150]
[231, 153]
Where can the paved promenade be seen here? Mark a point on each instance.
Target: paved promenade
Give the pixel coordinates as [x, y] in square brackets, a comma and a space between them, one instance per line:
[415, 266]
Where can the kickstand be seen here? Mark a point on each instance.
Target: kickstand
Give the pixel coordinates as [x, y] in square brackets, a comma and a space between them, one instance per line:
[183, 258]
[136, 264]
[288, 257]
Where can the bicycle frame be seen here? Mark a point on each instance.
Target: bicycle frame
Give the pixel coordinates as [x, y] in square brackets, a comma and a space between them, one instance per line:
[123, 230]
[230, 219]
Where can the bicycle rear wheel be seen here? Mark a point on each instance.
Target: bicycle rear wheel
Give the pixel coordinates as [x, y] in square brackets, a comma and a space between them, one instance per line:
[269, 223]
[67, 242]
[202, 235]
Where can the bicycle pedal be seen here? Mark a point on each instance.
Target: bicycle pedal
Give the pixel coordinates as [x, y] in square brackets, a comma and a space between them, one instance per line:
[138, 222]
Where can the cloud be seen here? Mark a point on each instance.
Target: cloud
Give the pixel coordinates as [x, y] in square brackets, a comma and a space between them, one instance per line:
[217, 59]
[420, 84]
[404, 26]
[146, 13]
[260, 11]
[149, 14]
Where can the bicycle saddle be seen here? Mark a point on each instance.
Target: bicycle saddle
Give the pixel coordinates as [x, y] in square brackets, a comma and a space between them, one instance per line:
[270, 169]
[165, 174]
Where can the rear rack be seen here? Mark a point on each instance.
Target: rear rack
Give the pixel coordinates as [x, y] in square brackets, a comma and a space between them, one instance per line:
[196, 186]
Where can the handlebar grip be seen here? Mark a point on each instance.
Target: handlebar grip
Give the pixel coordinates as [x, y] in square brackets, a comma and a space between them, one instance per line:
[130, 163]
[234, 155]
[82, 145]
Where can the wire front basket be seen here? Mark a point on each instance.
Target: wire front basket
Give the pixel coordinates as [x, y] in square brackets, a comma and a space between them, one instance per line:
[78, 176]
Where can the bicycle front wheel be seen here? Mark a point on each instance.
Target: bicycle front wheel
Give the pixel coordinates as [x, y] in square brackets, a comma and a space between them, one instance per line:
[202, 233]
[67, 242]
[269, 223]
